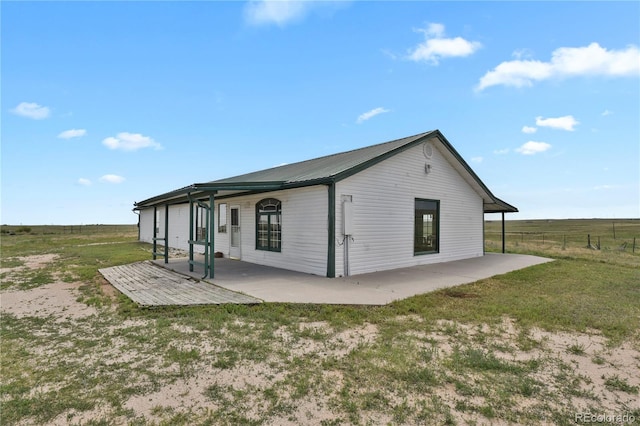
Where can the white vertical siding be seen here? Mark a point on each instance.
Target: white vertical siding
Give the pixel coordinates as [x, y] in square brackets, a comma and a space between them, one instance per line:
[178, 226]
[221, 243]
[146, 225]
[304, 229]
[383, 207]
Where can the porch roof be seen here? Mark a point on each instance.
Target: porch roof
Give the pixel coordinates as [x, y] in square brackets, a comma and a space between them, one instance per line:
[329, 169]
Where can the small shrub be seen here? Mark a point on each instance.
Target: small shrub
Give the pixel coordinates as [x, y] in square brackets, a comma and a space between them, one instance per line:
[616, 383]
[576, 349]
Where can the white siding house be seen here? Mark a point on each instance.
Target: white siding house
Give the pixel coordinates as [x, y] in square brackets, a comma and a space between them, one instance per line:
[407, 202]
[383, 207]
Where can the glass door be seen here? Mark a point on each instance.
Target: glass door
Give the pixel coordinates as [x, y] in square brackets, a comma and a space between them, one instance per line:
[234, 242]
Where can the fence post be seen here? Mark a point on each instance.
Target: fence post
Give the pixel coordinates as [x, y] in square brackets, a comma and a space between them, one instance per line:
[614, 230]
[634, 245]
[589, 240]
[504, 237]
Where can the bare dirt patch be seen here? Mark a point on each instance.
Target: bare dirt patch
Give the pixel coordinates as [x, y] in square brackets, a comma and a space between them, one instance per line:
[56, 299]
[32, 262]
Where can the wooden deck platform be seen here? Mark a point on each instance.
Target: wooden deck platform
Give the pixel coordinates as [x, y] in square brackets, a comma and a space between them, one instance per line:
[149, 285]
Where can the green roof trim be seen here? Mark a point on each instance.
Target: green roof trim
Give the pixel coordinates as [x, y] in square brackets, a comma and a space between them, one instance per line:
[326, 171]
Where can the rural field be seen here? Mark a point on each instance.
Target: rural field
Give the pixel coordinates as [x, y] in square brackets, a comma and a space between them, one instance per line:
[557, 343]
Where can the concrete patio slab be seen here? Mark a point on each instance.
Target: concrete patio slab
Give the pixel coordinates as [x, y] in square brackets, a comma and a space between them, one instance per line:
[378, 288]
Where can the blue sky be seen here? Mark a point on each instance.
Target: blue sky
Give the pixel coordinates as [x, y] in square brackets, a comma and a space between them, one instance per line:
[107, 103]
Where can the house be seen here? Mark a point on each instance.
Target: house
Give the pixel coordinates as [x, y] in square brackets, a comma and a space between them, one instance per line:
[410, 201]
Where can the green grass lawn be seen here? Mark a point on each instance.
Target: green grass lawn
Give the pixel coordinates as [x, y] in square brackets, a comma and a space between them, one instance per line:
[517, 347]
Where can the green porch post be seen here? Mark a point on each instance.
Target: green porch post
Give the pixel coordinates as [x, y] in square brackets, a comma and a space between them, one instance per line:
[190, 232]
[211, 235]
[331, 249]
[166, 233]
[155, 227]
[503, 242]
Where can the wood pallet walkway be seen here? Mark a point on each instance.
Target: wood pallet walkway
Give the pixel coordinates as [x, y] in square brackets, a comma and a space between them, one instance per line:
[149, 285]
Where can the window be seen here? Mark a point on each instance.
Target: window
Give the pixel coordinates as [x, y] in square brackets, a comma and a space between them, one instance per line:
[269, 225]
[427, 214]
[222, 218]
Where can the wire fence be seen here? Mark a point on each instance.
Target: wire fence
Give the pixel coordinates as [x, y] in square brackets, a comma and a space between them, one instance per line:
[595, 241]
[67, 229]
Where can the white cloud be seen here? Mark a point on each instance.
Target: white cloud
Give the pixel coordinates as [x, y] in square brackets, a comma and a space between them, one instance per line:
[533, 147]
[31, 110]
[563, 123]
[565, 62]
[284, 12]
[522, 54]
[476, 159]
[369, 114]
[111, 179]
[501, 151]
[84, 182]
[436, 46]
[529, 130]
[130, 142]
[274, 12]
[72, 133]
[606, 112]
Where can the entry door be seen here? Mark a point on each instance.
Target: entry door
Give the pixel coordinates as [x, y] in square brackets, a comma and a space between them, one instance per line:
[234, 243]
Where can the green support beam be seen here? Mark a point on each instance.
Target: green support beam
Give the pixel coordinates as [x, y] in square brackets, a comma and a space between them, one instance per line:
[211, 234]
[155, 226]
[166, 233]
[190, 233]
[331, 249]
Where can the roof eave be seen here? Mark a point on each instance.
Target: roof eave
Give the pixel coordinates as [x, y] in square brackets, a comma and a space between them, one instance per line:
[163, 198]
[500, 206]
[199, 189]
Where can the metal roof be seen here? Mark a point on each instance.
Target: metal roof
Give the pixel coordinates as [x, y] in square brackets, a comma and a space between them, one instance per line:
[328, 169]
[322, 168]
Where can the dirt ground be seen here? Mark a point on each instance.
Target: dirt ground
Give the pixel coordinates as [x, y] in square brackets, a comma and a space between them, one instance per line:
[588, 353]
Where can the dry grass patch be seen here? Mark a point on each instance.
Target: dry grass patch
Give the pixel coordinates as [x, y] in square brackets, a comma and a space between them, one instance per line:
[530, 347]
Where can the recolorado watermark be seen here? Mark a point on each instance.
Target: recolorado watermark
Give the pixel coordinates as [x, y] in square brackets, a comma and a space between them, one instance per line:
[588, 417]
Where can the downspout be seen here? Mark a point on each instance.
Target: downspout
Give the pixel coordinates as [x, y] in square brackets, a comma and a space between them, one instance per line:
[331, 248]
